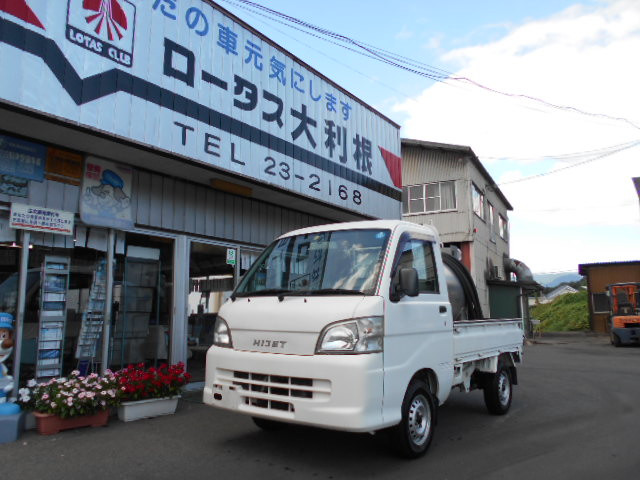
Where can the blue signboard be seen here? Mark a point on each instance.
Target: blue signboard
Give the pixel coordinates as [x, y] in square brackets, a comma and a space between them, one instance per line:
[23, 159]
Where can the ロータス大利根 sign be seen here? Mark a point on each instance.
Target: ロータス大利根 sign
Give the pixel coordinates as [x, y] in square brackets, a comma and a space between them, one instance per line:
[185, 77]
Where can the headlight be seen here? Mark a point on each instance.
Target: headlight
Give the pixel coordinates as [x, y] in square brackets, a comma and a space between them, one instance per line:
[221, 334]
[360, 335]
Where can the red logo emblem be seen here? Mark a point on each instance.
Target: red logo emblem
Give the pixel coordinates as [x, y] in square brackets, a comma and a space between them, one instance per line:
[109, 15]
[20, 9]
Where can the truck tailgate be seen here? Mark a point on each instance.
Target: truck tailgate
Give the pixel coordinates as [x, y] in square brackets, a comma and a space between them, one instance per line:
[476, 339]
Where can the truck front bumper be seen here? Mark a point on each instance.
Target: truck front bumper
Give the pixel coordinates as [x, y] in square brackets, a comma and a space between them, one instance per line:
[341, 392]
[627, 335]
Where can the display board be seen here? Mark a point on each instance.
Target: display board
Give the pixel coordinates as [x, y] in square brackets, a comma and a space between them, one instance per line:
[54, 286]
[186, 77]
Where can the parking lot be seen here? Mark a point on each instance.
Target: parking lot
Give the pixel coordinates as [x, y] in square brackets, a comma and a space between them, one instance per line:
[575, 414]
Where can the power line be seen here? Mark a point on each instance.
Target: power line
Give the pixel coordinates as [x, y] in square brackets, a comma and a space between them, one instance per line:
[608, 154]
[404, 63]
[563, 156]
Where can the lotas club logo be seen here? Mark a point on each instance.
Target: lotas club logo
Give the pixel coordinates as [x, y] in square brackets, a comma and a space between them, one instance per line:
[104, 27]
[110, 17]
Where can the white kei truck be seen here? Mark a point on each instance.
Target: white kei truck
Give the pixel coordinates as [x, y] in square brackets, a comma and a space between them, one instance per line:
[361, 327]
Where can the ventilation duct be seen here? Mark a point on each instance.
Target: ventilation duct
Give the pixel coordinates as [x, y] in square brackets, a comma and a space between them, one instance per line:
[523, 273]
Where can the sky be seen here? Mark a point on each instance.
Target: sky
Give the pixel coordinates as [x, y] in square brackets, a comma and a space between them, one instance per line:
[566, 171]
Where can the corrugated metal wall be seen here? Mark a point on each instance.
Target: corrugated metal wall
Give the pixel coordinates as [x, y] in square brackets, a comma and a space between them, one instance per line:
[171, 204]
[421, 165]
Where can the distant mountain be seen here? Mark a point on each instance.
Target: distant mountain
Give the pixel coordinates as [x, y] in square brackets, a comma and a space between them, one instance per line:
[552, 280]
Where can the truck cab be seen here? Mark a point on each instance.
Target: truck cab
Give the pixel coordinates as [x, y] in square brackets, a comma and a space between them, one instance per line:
[350, 327]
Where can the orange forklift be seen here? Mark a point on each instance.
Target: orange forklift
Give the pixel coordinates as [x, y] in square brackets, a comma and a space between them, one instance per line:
[624, 319]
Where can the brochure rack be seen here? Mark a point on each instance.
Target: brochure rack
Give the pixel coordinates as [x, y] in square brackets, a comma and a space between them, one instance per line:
[54, 285]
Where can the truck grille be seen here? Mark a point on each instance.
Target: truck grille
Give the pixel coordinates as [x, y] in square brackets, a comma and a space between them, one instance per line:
[274, 391]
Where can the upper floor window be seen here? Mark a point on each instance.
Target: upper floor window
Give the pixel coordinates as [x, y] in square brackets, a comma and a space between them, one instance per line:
[492, 220]
[504, 227]
[430, 197]
[478, 201]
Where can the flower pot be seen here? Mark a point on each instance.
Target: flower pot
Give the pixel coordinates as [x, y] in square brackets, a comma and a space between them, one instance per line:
[150, 407]
[49, 424]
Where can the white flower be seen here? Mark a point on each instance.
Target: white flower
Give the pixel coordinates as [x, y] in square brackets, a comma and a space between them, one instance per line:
[75, 373]
[25, 398]
[32, 383]
[61, 380]
[24, 391]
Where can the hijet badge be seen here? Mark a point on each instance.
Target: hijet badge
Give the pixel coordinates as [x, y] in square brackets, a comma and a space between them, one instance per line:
[104, 27]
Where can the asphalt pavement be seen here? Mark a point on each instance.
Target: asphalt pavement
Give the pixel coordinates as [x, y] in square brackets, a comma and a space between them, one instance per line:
[575, 414]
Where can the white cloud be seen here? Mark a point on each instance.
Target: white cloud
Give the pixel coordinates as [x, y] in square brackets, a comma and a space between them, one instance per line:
[581, 57]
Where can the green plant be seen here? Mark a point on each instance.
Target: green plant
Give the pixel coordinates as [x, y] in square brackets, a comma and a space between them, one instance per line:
[72, 396]
[568, 312]
[137, 383]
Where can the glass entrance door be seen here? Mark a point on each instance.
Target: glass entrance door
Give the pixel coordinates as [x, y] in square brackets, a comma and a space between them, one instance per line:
[143, 306]
[212, 276]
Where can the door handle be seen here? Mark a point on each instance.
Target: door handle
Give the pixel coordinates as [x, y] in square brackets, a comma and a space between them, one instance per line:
[443, 309]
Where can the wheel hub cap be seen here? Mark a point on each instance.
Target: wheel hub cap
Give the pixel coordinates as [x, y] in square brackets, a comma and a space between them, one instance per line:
[419, 420]
[504, 388]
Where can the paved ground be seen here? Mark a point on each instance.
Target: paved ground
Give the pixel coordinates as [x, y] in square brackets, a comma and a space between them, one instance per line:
[576, 414]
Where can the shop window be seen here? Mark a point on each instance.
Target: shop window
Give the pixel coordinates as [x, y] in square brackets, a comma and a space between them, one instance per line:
[143, 301]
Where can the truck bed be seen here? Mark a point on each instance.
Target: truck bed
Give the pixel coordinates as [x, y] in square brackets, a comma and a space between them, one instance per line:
[478, 339]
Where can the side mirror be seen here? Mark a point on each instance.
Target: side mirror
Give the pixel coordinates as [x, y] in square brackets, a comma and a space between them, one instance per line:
[405, 282]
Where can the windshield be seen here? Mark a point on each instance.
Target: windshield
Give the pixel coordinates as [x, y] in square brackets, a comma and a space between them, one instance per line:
[342, 261]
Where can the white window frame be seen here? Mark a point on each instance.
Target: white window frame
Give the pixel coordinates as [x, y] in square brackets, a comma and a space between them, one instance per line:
[424, 198]
[475, 189]
[492, 221]
[503, 228]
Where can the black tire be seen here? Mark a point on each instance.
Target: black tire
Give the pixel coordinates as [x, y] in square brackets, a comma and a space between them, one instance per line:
[412, 436]
[268, 425]
[498, 391]
[615, 340]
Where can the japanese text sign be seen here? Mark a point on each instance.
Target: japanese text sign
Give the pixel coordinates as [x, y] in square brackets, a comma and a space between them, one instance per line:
[40, 219]
[185, 77]
[23, 159]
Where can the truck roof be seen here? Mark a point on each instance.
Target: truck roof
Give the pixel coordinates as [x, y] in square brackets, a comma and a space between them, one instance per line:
[365, 224]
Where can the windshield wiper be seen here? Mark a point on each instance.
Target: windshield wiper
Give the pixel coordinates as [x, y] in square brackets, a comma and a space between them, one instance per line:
[322, 291]
[261, 293]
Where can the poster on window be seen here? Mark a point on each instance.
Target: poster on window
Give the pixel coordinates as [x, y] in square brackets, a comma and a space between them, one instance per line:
[105, 198]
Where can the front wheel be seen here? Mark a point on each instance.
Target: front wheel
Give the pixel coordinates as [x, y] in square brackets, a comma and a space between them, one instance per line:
[615, 340]
[498, 392]
[412, 436]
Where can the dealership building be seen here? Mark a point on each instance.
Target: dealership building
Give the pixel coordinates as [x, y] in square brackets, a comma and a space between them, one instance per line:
[148, 152]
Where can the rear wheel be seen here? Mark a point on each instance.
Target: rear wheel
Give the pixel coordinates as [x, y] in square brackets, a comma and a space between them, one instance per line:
[498, 392]
[268, 425]
[412, 436]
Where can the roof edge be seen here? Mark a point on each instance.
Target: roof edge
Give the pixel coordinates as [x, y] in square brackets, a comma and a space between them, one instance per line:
[492, 185]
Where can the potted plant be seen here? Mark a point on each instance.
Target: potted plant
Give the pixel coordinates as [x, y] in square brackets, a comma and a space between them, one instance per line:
[150, 392]
[75, 401]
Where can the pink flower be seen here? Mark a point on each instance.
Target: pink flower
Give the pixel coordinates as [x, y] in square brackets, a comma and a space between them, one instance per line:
[45, 396]
[81, 395]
